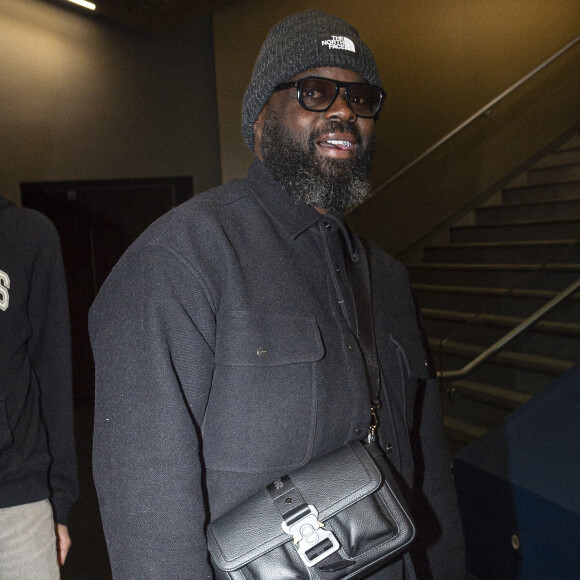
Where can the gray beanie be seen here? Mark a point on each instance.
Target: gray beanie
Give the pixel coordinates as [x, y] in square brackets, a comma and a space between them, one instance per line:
[305, 40]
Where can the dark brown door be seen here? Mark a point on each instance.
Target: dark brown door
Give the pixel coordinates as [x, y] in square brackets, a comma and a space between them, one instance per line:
[97, 221]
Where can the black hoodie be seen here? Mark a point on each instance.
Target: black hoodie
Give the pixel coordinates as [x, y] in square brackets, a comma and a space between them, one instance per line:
[37, 457]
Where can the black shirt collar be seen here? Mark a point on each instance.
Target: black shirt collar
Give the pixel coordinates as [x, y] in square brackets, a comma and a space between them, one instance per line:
[294, 216]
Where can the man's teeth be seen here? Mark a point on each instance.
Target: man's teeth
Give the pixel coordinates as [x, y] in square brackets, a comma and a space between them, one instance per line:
[339, 143]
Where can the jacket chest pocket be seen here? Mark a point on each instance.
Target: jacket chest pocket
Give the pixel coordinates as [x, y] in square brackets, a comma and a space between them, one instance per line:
[262, 406]
[412, 368]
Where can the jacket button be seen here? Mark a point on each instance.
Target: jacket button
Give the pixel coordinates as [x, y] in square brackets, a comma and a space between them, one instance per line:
[261, 351]
[389, 447]
[358, 431]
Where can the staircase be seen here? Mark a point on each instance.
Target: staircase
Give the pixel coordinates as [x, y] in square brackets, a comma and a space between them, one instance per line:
[507, 259]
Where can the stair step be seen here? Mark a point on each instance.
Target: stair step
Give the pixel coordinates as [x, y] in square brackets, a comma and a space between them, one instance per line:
[549, 175]
[479, 290]
[472, 411]
[493, 373]
[528, 211]
[546, 338]
[571, 329]
[534, 363]
[537, 193]
[490, 394]
[558, 158]
[572, 143]
[520, 252]
[537, 276]
[520, 230]
[461, 431]
[521, 302]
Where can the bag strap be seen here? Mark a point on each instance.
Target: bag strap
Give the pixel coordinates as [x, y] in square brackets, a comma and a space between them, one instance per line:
[360, 279]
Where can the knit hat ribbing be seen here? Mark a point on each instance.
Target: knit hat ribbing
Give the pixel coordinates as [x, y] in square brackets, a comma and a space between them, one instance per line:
[302, 41]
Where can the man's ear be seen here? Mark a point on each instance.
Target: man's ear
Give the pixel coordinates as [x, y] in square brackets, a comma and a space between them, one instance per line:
[258, 126]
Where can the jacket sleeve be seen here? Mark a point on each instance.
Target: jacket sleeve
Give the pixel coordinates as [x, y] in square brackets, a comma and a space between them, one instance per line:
[50, 355]
[440, 547]
[438, 551]
[152, 334]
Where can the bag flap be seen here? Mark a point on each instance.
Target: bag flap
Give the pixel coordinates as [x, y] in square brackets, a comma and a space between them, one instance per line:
[330, 483]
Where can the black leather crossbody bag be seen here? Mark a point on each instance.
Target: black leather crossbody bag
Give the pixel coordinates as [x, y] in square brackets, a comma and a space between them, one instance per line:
[339, 517]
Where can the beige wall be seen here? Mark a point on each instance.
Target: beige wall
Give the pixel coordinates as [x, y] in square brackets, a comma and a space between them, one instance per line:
[81, 98]
[440, 62]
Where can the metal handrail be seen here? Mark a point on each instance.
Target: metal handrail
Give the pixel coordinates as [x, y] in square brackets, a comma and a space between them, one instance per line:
[479, 113]
[504, 341]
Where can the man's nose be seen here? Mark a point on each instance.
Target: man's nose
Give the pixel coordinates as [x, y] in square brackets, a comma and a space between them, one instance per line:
[340, 108]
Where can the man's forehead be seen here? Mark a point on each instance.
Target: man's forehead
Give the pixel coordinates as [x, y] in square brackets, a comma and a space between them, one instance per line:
[330, 72]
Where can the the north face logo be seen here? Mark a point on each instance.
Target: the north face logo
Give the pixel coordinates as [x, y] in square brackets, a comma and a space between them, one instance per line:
[334, 42]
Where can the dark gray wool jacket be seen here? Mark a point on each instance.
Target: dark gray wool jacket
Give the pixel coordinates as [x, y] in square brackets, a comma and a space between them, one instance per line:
[226, 357]
[37, 456]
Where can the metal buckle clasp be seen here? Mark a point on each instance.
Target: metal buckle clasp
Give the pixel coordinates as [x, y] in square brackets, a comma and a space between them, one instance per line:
[313, 542]
[372, 431]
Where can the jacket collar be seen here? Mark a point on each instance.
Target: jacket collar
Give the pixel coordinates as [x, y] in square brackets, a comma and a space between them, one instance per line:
[294, 217]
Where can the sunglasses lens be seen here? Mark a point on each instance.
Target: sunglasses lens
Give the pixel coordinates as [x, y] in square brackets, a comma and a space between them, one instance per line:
[317, 94]
[364, 100]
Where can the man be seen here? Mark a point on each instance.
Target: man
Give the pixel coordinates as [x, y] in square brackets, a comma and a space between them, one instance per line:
[38, 481]
[226, 342]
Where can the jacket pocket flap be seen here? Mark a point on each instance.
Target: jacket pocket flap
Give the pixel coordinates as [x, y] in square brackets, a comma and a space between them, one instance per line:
[330, 483]
[248, 338]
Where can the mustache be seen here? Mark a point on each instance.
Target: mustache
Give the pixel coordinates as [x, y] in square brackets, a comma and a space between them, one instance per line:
[337, 126]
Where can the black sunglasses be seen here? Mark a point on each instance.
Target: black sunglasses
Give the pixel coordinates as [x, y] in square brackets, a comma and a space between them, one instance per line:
[318, 93]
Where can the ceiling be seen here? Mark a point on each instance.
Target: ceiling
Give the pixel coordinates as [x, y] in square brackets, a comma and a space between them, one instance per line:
[152, 15]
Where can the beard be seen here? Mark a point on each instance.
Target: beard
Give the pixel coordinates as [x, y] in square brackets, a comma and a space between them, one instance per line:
[322, 182]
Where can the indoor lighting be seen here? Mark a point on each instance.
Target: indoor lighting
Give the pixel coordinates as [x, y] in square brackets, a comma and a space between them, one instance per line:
[88, 5]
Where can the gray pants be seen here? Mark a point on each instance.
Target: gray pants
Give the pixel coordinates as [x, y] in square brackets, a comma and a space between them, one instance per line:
[28, 543]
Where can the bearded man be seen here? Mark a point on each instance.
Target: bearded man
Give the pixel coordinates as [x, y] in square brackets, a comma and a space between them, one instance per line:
[227, 341]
